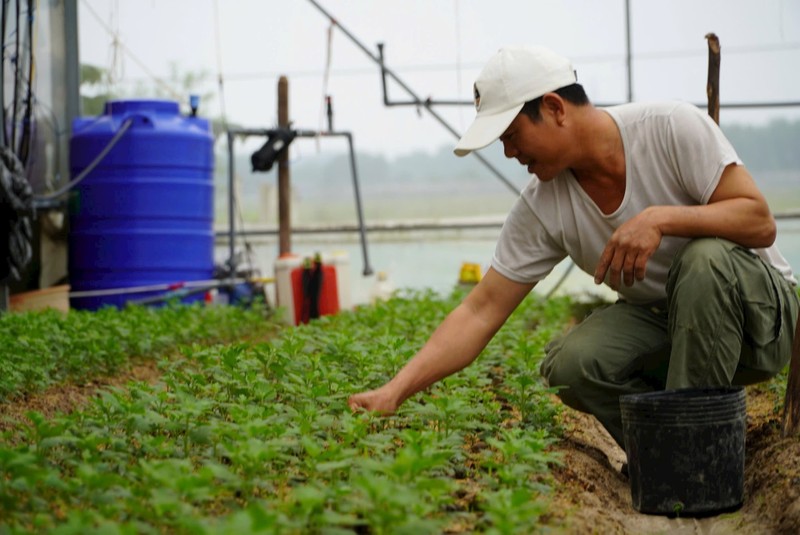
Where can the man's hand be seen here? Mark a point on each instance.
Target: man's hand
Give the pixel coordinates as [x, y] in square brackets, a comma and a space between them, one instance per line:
[629, 249]
[380, 400]
[736, 211]
[452, 346]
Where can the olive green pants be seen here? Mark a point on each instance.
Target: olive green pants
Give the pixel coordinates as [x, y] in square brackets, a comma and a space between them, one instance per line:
[729, 318]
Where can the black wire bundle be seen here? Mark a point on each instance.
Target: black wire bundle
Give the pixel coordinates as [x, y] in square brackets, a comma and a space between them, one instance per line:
[16, 229]
[16, 194]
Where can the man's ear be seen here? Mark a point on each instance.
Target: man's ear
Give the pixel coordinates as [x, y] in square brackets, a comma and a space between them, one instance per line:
[553, 105]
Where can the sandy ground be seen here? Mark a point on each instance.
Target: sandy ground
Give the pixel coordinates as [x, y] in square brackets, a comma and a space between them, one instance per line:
[592, 495]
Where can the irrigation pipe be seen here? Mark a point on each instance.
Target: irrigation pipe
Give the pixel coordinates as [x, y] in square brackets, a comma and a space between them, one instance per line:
[177, 294]
[204, 284]
[561, 280]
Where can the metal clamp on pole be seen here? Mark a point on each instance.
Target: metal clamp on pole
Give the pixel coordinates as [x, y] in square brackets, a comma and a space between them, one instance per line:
[277, 142]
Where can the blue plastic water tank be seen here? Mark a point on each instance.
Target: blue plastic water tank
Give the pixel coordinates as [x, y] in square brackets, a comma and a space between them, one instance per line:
[143, 216]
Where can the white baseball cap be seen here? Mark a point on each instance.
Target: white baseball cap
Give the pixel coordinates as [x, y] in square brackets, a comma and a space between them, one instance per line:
[514, 75]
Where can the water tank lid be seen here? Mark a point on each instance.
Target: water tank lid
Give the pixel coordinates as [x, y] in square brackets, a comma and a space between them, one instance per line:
[123, 107]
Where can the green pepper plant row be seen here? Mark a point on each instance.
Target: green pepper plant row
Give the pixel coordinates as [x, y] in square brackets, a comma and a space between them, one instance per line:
[38, 349]
[257, 438]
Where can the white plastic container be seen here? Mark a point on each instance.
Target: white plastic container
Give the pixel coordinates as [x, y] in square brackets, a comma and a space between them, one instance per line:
[382, 289]
[284, 294]
[341, 261]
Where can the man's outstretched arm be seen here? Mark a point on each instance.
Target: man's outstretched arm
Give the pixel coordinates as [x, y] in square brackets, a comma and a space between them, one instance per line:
[453, 345]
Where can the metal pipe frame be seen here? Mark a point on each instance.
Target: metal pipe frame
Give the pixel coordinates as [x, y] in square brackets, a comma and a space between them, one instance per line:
[416, 226]
[417, 101]
[433, 102]
[266, 132]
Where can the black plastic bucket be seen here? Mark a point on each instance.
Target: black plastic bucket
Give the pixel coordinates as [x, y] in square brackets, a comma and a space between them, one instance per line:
[685, 450]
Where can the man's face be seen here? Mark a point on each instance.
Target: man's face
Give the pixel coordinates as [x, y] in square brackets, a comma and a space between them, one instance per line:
[535, 145]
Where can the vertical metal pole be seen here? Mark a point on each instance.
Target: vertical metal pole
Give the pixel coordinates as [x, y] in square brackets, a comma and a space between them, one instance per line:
[383, 75]
[284, 193]
[361, 229]
[231, 208]
[628, 59]
[72, 67]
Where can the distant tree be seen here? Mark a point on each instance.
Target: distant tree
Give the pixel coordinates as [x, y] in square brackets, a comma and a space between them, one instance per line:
[95, 89]
[773, 147]
[180, 85]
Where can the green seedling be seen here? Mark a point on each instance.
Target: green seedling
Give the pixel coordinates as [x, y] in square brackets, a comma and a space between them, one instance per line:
[257, 437]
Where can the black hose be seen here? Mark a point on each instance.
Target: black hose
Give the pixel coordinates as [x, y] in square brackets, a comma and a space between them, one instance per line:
[2, 74]
[89, 168]
[16, 205]
[16, 195]
[25, 141]
[16, 81]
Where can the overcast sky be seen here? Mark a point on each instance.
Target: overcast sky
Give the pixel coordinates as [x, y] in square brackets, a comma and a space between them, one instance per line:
[437, 47]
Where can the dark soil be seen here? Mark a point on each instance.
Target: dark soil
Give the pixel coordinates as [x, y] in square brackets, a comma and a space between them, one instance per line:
[68, 397]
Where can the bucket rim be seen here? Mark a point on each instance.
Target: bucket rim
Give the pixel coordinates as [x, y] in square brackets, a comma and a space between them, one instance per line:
[685, 394]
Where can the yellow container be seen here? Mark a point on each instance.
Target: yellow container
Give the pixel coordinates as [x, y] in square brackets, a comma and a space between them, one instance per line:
[470, 273]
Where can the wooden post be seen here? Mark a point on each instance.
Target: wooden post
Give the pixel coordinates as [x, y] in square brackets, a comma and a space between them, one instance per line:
[284, 191]
[791, 403]
[712, 86]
